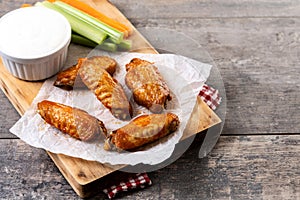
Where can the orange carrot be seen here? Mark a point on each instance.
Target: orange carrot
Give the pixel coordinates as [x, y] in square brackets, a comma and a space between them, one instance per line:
[26, 5]
[100, 16]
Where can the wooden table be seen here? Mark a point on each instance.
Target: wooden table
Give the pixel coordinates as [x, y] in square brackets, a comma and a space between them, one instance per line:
[256, 45]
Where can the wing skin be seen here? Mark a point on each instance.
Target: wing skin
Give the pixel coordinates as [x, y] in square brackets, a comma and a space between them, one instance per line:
[107, 63]
[106, 89]
[142, 130]
[147, 85]
[66, 78]
[73, 121]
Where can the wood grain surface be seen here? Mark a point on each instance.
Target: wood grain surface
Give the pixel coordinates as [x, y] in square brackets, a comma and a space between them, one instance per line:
[239, 167]
[255, 44]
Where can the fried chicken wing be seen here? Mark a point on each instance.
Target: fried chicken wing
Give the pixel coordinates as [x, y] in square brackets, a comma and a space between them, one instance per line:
[142, 130]
[106, 89]
[147, 85]
[73, 121]
[107, 63]
[66, 78]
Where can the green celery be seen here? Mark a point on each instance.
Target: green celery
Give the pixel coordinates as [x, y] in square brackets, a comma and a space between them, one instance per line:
[78, 26]
[107, 46]
[112, 32]
[78, 39]
[125, 45]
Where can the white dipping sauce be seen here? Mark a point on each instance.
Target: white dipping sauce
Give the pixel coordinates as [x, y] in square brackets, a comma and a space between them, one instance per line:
[33, 32]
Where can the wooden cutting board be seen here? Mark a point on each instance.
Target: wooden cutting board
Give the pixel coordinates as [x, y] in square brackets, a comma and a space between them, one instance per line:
[89, 177]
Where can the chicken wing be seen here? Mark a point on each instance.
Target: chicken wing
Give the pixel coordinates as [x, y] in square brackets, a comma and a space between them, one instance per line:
[73, 121]
[106, 89]
[107, 63]
[142, 130]
[66, 79]
[147, 85]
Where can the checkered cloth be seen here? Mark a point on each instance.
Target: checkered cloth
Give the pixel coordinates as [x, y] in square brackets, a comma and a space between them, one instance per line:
[135, 182]
[212, 98]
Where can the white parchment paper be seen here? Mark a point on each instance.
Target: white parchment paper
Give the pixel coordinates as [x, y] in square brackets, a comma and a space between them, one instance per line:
[184, 77]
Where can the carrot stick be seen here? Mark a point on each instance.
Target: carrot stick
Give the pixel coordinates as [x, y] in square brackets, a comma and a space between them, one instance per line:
[100, 16]
[26, 5]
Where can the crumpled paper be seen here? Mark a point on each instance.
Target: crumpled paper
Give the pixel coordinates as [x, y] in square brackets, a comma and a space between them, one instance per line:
[184, 77]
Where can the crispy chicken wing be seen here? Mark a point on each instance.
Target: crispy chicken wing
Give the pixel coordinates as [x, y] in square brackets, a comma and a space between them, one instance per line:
[142, 130]
[73, 121]
[106, 89]
[107, 63]
[147, 85]
[66, 78]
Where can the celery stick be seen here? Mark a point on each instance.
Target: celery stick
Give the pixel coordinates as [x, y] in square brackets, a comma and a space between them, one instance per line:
[125, 45]
[78, 39]
[107, 46]
[78, 26]
[112, 32]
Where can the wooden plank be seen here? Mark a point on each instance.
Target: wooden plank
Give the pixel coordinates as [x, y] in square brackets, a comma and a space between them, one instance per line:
[192, 8]
[143, 9]
[20, 93]
[8, 116]
[29, 173]
[84, 175]
[239, 167]
[258, 61]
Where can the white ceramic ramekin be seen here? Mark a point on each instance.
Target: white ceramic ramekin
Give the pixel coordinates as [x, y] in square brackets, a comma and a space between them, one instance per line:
[34, 42]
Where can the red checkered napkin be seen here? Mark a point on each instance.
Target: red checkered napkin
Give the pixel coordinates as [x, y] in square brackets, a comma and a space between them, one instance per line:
[135, 182]
[212, 98]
